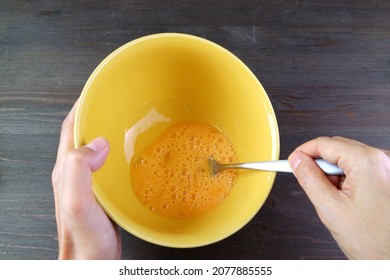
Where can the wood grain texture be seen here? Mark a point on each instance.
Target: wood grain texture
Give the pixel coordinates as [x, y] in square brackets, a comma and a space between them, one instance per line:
[324, 64]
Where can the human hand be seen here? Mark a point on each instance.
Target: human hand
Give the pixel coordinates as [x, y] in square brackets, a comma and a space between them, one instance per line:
[354, 208]
[84, 230]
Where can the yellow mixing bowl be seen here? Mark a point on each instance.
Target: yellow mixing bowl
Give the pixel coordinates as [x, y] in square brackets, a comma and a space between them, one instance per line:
[158, 80]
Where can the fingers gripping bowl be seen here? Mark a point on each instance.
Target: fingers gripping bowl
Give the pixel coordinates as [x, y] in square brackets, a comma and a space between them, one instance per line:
[152, 83]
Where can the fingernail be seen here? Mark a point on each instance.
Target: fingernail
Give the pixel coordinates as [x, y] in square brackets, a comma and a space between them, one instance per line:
[295, 160]
[97, 144]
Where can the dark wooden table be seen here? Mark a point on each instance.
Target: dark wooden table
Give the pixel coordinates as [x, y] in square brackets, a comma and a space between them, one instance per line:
[325, 65]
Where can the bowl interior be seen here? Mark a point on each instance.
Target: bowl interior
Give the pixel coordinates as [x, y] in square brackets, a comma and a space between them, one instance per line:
[180, 77]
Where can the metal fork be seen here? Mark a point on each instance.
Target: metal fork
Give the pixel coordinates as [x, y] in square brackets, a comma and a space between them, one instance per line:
[276, 165]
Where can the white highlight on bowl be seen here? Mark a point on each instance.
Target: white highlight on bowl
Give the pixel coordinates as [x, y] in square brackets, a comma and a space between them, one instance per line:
[131, 134]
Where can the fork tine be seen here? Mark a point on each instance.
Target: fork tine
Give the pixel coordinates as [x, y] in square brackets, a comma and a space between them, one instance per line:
[213, 166]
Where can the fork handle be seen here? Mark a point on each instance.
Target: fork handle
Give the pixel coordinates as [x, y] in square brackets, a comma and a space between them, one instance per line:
[283, 166]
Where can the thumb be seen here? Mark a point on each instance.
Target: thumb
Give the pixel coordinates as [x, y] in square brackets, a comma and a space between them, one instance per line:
[95, 152]
[314, 182]
[78, 167]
